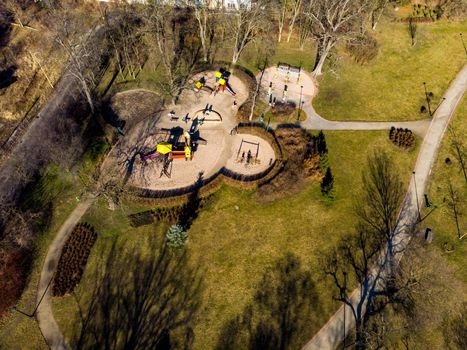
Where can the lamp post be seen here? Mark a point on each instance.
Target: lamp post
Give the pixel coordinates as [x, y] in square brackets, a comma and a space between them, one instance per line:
[427, 99]
[416, 195]
[300, 103]
[345, 296]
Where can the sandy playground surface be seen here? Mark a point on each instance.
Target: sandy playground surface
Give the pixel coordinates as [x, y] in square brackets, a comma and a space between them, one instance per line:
[217, 148]
[294, 82]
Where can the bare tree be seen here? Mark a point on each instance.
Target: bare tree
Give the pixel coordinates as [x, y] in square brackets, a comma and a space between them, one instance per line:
[305, 24]
[79, 45]
[382, 198]
[458, 149]
[454, 204]
[377, 8]
[249, 21]
[296, 9]
[124, 30]
[170, 33]
[281, 13]
[333, 20]
[205, 17]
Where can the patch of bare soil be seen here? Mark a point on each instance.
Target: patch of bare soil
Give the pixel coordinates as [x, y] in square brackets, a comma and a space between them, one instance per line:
[134, 106]
[301, 162]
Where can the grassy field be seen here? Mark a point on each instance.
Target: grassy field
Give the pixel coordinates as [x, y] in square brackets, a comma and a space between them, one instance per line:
[391, 86]
[236, 239]
[442, 223]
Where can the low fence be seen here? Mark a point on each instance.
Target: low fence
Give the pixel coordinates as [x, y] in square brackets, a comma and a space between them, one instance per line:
[208, 186]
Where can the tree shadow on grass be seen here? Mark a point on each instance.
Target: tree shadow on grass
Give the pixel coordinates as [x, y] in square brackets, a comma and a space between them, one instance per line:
[280, 314]
[140, 301]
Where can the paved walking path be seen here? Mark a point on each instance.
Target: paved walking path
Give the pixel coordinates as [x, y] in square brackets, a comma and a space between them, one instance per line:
[316, 122]
[331, 334]
[45, 317]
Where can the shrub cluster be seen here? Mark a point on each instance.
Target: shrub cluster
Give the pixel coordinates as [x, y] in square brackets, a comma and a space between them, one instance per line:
[283, 109]
[363, 49]
[300, 150]
[73, 259]
[427, 12]
[403, 138]
[176, 236]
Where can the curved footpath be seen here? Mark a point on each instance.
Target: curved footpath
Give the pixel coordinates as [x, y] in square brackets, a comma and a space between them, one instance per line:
[45, 317]
[316, 122]
[331, 334]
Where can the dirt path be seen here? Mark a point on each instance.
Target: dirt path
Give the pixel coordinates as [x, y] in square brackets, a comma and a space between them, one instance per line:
[45, 317]
[331, 334]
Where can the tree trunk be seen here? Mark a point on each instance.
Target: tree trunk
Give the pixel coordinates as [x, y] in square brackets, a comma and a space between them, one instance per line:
[87, 93]
[235, 56]
[321, 55]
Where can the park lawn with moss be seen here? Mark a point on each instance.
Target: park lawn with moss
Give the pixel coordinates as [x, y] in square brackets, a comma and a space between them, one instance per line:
[442, 223]
[390, 88]
[236, 238]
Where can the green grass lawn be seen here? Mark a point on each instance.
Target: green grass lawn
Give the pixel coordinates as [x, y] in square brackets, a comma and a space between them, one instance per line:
[442, 223]
[236, 239]
[391, 86]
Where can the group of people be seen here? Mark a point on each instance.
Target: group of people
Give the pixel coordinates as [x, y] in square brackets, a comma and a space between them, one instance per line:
[249, 157]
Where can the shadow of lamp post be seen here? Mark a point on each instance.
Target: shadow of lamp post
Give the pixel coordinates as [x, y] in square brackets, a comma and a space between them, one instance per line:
[300, 103]
[427, 99]
[463, 43]
[14, 309]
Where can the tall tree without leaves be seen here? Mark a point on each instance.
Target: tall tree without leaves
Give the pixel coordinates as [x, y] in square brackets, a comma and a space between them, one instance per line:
[170, 32]
[454, 204]
[377, 8]
[458, 149]
[333, 20]
[248, 22]
[205, 17]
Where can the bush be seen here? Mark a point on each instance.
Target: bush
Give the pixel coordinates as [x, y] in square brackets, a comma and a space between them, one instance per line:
[363, 49]
[300, 152]
[176, 236]
[403, 138]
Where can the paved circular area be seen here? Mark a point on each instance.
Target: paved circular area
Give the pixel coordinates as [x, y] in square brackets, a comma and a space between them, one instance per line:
[296, 84]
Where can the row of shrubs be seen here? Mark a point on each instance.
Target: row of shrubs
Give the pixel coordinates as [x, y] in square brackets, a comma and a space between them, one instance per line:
[73, 260]
[403, 138]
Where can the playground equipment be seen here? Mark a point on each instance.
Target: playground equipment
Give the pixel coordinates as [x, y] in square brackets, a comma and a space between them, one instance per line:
[288, 72]
[222, 78]
[201, 84]
[208, 114]
[246, 156]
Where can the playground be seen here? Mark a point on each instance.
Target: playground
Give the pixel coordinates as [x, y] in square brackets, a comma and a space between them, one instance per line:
[173, 147]
[285, 84]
